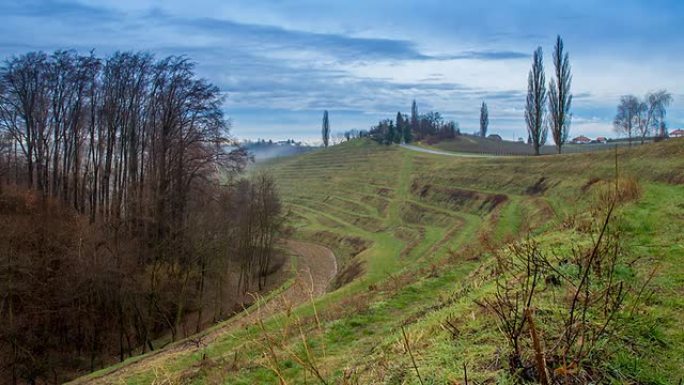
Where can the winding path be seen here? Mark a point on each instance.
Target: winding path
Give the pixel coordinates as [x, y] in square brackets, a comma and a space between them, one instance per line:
[447, 153]
[316, 267]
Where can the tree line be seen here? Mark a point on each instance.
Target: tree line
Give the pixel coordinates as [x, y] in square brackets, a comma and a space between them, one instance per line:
[405, 128]
[547, 108]
[640, 118]
[635, 118]
[123, 215]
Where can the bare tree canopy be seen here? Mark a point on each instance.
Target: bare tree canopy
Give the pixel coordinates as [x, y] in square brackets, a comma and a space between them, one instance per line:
[560, 98]
[643, 117]
[627, 118]
[657, 110]
[535, 109]
[121, 221]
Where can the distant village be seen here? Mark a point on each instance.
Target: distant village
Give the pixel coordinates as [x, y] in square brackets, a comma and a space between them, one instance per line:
[601, 139]
[679, 133]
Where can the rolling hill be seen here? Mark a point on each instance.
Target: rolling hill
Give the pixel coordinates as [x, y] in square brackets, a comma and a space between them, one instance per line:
[419, 239]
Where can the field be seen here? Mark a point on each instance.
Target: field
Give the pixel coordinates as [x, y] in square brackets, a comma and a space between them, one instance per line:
[415, 236]
[477, 145]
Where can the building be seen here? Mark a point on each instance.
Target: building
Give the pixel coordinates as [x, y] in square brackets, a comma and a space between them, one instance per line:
[677, 134]
[602, 139]
[581, 140]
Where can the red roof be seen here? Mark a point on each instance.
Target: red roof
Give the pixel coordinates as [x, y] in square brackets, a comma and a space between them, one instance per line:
[582, 138]
[601, 139]
[677, 133]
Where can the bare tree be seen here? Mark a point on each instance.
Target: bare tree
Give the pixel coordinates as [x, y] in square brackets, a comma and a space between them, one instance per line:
[657, 109]
[23, 109]
[535, 109]
[138, 146]
[628, 115]
[484, 119]
[560, 97]
[645, 117]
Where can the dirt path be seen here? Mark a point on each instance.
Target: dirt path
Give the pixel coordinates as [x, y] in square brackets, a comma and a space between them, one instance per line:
[316, 267]
[447, 153]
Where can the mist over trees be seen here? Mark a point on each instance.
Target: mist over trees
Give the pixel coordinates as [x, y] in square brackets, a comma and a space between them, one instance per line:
[262, 150]
[560, 98]
[123, 213]
[535, 109]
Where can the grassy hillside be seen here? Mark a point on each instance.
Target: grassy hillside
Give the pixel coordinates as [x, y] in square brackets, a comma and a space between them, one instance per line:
[418, 238]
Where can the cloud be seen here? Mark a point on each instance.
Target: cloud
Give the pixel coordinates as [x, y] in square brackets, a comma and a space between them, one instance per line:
[57, 8]
[490, 55]
[281, 63]
[265, 38]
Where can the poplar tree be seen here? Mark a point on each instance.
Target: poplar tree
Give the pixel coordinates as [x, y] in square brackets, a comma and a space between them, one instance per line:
[560, 97]
[326, 129]
[414, 117]
[484, 119]
[401, 128]
[535, 109]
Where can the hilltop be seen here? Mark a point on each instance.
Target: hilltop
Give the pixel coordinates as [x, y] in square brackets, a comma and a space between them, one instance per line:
[420, 240]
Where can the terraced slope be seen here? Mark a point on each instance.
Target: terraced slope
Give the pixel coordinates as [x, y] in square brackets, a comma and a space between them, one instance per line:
[413, 234]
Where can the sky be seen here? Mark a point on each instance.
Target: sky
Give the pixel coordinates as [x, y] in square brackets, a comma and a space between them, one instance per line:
[281, 63]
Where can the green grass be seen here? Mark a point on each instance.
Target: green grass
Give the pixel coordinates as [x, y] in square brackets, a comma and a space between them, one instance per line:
[417, 222]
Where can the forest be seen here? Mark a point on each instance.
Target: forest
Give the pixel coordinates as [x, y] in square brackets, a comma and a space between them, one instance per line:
[124, 212]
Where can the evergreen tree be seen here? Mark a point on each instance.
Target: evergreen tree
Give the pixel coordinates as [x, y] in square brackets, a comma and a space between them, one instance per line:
[326, 129]
[391, 132]
[407, 132]
[415, 118]
[484, 119]
[401, 126]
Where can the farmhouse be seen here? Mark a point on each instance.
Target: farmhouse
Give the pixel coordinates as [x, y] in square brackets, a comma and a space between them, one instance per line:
[677, 134]
[602, 139]
[581, 140]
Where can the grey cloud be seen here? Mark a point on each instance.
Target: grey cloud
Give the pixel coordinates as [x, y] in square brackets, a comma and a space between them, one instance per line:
[57, 8]
[266, 37]
[490, 55]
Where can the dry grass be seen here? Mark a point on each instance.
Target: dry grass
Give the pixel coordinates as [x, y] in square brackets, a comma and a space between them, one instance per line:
[626, 190]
